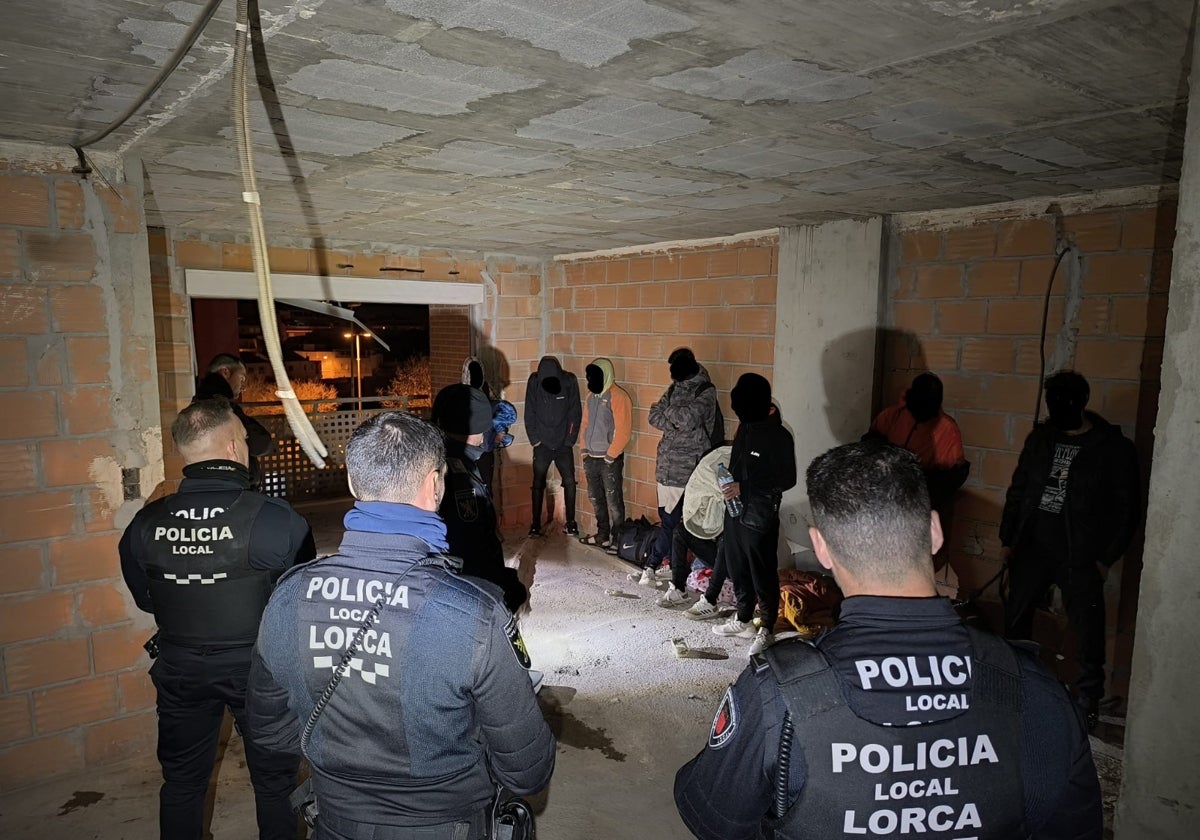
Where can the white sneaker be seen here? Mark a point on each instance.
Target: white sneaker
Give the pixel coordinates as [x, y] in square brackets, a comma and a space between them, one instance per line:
[672, 598]
[762, 641]
[647, 577]
[663, 573]
[733, 627]
[702, 610]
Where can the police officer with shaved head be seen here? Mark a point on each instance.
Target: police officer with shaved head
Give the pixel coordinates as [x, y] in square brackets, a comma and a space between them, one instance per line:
[434, 707]
[204, 561]
[900, 720]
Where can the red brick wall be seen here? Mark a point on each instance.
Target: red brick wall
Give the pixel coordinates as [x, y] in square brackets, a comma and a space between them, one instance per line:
[449, 344]
[74, 689]
[635, 309]
[966, 302]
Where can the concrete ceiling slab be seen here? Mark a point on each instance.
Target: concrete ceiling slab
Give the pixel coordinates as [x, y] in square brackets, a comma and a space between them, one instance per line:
[545, 126]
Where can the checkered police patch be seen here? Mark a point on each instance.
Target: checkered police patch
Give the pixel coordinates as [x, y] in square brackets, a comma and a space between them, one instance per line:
[466, 504]
[368, 672]
[201, 579]
[725, 723]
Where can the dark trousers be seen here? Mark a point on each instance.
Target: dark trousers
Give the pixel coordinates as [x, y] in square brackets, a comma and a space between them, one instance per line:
[669, 524]
[754, 567]
[564, 460]
[1030, 579]
[195, 686]
[604, 484]
[706, 551]
[487, 471]
[720, 574]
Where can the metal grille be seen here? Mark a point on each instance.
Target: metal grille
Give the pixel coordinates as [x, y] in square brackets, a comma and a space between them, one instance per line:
[287, 472]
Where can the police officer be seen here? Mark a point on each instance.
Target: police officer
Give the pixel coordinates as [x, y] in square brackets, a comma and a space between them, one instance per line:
[900, 720]
[436, 707]
[464, 414]
[204, 561]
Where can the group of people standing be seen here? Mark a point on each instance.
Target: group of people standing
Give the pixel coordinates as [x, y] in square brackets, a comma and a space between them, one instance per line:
[397, 667]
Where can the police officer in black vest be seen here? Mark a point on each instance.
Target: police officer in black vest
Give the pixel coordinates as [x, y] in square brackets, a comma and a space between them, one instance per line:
[204, 562]
[899, 721]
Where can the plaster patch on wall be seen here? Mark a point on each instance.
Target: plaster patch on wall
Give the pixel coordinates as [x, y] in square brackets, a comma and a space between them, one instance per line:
[105, 473]
[764, 158]
[765, 75]
[612, 122]
[473, 157]
[587, 32]
[312, 131]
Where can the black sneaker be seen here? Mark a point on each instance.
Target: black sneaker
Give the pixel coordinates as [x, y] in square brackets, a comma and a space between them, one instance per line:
[535, 530]
[571, 529]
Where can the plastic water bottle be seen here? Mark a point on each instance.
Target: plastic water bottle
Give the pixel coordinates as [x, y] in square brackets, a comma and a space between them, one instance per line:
[725, 477]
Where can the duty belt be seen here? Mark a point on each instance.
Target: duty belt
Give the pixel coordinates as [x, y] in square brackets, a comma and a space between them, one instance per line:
[468, 828]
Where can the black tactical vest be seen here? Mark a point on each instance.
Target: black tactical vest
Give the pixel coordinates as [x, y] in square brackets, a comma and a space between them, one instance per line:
[197, 558]
[953, 779]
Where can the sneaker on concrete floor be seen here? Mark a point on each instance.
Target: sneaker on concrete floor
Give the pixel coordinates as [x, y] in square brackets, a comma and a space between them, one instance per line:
[762, 641]
[733, 627]
[535, 530]
[702, 610]
[571, 529]
[610, 547]
[646, 578]
[672, 598]
[663, 572]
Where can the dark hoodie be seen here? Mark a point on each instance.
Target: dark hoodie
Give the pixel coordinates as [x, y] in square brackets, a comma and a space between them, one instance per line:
[552, 406]
[258, 439]
[763, 462]
[1103, 505]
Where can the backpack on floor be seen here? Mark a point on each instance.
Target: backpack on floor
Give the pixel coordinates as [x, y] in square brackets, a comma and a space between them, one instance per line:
[635, 540]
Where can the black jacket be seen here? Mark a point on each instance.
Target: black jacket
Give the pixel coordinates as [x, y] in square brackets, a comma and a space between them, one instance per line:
[471, 527]
[1103, 492]
[725, 792]
[552, 419]
[763, 462]
[436, 709]
[258, 438]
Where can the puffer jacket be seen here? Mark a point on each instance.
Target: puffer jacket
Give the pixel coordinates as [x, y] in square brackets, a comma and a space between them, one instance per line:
[684, 414]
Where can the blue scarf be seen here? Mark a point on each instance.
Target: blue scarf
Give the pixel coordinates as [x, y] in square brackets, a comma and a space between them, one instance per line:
[393, 518]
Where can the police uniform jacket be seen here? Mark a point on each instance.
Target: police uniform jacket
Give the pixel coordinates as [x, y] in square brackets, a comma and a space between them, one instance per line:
[205, 559]
[436, 708]
[905, 724]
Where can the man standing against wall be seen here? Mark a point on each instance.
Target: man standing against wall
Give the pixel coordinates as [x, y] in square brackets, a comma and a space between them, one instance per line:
[552, 417]
[685, 415]
[204, 561]
[763, 465]
[437, 707]
[1070, 513]
[899, 721]
[604, 434]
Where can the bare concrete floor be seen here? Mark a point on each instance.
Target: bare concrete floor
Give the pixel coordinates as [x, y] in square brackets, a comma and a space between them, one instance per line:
[627, 713]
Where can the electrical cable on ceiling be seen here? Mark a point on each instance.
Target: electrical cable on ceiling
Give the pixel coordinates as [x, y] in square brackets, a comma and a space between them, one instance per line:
[189, 40]
[301, 427]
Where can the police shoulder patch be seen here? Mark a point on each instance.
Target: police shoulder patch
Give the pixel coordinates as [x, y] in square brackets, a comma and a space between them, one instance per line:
[518, 644]
[466, 504]
[725, 723]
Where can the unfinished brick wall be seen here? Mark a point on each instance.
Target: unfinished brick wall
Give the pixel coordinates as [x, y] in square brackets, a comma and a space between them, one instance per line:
[449, 344]
[635, 309]
[75, 363]
[966, 302]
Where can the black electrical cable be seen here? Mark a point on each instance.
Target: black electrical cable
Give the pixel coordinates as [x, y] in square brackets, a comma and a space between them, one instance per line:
[189, 40]
[1037, 406]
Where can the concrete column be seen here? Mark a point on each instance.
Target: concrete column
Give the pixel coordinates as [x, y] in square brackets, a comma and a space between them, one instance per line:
[1160, 796]
[826, 316]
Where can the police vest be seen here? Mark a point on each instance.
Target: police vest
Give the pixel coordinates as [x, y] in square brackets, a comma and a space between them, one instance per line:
[198, 561]
[951, 779]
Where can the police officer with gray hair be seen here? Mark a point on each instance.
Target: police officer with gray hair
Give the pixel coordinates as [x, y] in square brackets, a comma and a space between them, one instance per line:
[204, 561]
[899, 720]
[434, 707]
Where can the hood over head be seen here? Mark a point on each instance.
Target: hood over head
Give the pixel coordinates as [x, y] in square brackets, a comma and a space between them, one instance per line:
[462, 410]
[600, 376]
[549, 375]
[683, 364]
[751, 398]
[472, 373]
